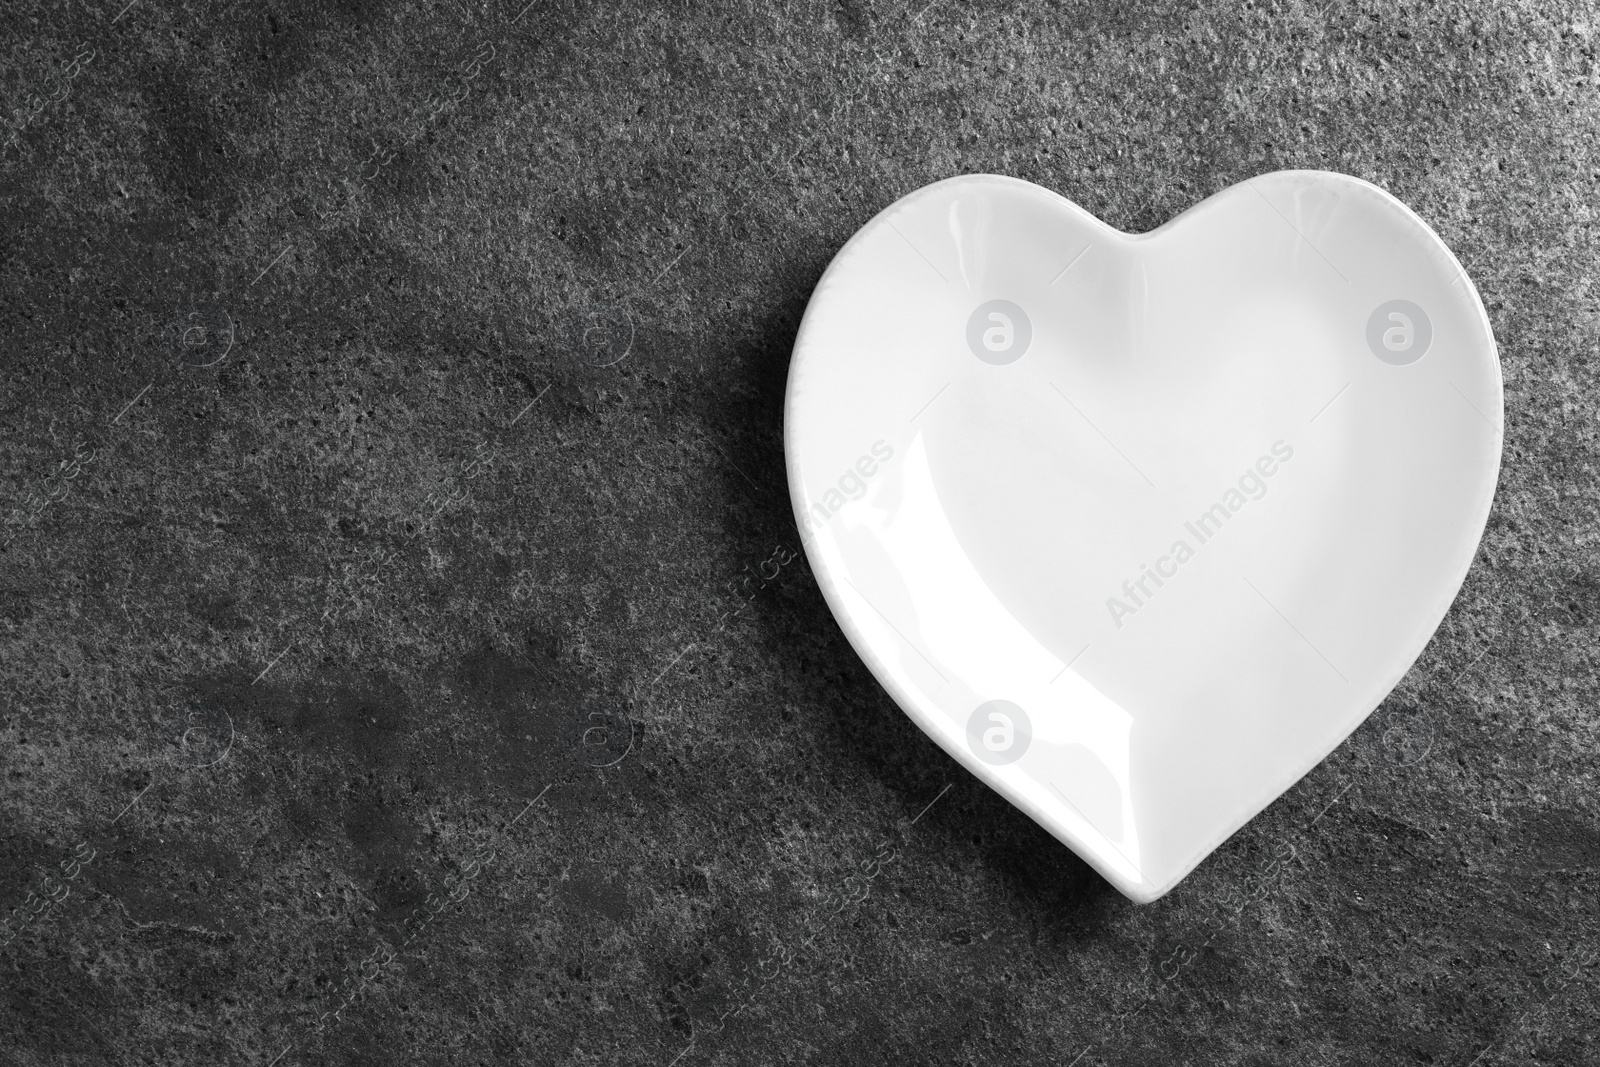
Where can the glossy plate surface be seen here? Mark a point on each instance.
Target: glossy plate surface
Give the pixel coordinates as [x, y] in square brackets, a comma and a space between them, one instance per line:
[1140, 527]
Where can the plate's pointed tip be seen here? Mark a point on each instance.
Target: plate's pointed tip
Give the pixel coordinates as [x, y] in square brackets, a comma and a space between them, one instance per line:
[1143, 892]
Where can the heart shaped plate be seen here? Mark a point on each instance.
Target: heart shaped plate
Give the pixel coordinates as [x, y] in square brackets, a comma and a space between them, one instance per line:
[1139, 527]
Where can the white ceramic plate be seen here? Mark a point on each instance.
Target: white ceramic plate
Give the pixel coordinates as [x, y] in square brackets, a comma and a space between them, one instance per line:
[1140, 527]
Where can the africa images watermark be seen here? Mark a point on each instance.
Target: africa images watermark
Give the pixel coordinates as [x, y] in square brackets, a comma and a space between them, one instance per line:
[201, 735]
[63, 80]
[851, 486]
[1252, 485]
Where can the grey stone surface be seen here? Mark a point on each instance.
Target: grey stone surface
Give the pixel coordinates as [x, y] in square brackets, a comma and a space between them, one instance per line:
[277, 280]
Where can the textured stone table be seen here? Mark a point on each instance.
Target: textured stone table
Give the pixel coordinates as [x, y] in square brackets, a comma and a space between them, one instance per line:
[391, 408]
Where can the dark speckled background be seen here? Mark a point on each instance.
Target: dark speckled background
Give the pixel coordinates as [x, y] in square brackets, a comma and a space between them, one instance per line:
[330, 612]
